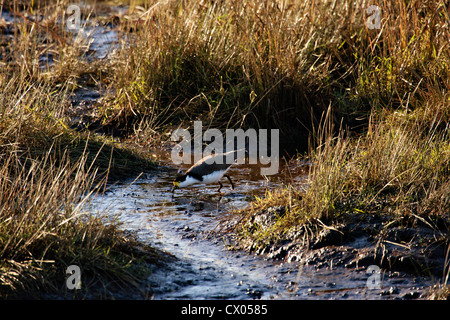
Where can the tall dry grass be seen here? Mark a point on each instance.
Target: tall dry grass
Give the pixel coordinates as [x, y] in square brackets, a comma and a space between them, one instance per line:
[395, 162]
[372, 103]
[233, 63]
[45, 184]
[275, 64]
[48, 171]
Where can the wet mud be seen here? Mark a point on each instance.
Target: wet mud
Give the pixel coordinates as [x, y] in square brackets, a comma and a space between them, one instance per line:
[189, 225]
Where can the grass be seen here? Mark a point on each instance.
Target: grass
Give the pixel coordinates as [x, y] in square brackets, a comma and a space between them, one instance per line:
[44, 229]
[229, 64]
[273, 65]
[369, 108]
[48, 172]
[45, 183]
[371, 102]
[400, 168]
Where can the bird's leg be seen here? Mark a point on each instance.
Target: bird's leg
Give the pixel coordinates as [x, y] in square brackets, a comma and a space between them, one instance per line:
[229, 179]
[173, 191]
[220, 186]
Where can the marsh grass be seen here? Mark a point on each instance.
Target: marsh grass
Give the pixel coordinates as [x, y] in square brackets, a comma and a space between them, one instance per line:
[47, 175]
[370, 106]
[48, 172]
[274, 64]
[231, 63]
[399, 168]
[394, 161]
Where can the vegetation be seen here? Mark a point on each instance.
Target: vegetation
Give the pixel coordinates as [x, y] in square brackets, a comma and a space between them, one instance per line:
[372, 101]
[369, 107]
[397, 164]
[48, 172]
[372, 104]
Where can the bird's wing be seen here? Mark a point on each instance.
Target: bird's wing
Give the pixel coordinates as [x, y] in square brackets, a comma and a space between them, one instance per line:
[204, 168]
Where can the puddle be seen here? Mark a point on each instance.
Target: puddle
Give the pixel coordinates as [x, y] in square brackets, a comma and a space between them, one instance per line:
[102, 39]
[205, 269]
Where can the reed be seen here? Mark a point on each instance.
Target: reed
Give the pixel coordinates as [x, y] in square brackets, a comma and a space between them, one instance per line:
[48, 172]
[391, 157]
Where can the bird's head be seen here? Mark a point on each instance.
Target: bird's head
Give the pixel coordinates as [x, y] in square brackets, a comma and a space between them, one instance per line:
[177, 181]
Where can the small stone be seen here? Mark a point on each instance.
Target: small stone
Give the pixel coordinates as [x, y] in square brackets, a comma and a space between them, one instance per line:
[393, 290]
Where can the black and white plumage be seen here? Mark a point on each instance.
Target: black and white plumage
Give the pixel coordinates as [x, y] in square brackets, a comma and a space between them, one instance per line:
[206, 171]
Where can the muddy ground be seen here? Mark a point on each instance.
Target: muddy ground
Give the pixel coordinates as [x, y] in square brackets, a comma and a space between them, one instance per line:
[396, 247]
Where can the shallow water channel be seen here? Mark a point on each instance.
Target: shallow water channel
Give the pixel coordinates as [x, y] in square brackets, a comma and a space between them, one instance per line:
[205, 269]
[180, 224]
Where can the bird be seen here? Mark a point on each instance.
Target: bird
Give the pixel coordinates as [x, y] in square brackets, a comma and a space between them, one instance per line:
[206, 171]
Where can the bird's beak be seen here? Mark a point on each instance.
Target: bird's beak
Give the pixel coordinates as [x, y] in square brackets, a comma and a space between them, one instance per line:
[176, 185]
